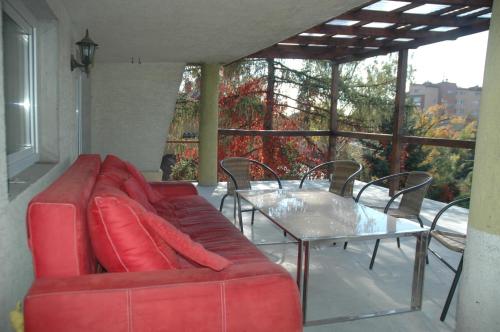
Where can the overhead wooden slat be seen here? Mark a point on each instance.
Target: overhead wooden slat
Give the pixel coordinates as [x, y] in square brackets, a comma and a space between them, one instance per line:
[401, 18]
[366, 42]
[302, 52]
[450, 35]
[306, 40]
[371, 32]
[473, 3]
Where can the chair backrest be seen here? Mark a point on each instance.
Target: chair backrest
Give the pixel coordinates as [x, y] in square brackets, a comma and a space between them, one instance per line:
[342, 175]
[238, 170]
[411, 201]
[239, 174]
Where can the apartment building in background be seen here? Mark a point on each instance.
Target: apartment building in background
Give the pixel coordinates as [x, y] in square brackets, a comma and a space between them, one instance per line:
[456, 100]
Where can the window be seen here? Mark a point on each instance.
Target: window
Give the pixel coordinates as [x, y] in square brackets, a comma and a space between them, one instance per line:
[417, 101]
[19, 89]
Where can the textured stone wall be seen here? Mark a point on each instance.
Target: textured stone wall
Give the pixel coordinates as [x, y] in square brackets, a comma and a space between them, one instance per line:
[57, 121]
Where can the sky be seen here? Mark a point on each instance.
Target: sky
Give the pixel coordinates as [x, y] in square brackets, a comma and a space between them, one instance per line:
[460, 61]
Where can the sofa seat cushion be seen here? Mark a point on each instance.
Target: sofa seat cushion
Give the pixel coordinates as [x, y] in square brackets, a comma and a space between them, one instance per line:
[182, 202]
[232, 248]
[183, 244]
[183, 206]
[121, 241]
[216, 234]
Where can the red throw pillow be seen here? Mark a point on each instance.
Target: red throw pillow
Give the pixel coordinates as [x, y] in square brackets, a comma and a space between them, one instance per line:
[135, 191]
[183, 244]
[121, 241]
[153, 196]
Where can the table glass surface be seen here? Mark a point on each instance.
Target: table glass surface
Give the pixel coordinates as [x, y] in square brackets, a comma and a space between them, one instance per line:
[316, 215]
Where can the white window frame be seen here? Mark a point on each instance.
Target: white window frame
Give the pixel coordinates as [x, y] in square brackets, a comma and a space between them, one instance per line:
[20, 160]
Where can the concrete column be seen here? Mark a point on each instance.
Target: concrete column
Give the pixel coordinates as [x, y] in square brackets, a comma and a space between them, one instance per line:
[209, 123]
[480, 290]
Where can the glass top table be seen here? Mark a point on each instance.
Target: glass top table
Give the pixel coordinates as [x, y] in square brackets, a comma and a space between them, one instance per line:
[314, 215]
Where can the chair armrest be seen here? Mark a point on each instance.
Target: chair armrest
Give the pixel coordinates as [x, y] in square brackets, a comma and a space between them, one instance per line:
[174, 188]
[445, 208]
[258, 296]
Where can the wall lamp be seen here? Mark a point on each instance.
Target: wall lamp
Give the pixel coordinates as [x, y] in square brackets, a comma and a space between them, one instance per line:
[86, 49]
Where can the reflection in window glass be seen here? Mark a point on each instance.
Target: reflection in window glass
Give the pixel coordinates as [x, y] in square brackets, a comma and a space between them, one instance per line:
[17, 96]
[18, 90]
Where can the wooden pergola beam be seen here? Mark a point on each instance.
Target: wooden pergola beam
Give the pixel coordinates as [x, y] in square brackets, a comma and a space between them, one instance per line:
[331, 30]
[302, 52]
[337, 42]
[471, 3]
[334, 117]
[399, 112]
[450, 35]
[268, 114]
[344, 52]
[402, 18]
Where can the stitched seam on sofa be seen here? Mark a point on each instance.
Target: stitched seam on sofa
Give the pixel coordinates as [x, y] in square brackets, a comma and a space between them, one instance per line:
[138, 221]
[173, 285]
[108, 236]
[223, 303]
[129, 310]
[75, 253]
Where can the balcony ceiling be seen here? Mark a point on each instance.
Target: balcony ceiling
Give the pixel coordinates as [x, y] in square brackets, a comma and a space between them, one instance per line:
[196, 31]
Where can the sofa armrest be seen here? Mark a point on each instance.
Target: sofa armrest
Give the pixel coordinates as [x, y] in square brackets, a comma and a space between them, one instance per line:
[252, 297]
[174, 188]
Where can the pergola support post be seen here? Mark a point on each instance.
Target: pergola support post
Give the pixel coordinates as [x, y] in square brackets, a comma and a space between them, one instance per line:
[334, 119]
[209, 123]
[268, 115]
[399, 112]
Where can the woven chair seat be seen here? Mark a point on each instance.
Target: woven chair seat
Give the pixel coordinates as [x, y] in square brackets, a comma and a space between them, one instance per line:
[450, 240]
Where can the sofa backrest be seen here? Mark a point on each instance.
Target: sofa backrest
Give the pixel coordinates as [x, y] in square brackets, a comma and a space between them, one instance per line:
[57, 222]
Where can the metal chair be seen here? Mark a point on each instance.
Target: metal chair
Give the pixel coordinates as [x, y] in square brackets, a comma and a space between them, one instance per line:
[239, 177]
[342, 175]
[454, 242]
[413, 187]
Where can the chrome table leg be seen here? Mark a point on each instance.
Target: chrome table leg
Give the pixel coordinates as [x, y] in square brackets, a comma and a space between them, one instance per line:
[418, 271]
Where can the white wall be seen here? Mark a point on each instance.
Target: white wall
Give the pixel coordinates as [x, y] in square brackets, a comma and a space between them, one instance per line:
[132, 106]
[57, 145]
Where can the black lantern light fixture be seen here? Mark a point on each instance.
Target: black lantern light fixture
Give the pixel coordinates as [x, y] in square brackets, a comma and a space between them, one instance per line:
[86, 48]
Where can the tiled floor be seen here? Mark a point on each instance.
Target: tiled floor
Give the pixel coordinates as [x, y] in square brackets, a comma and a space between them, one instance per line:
[340, 281]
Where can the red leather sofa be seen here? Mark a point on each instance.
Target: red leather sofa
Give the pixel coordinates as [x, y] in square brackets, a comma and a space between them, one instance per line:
[72, 293]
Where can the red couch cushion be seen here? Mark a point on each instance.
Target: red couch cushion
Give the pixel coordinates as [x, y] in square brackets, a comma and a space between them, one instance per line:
[57, 222]
[120, 240]
[135, 191]
[113, 162]
[153, 196]
[183, 244]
